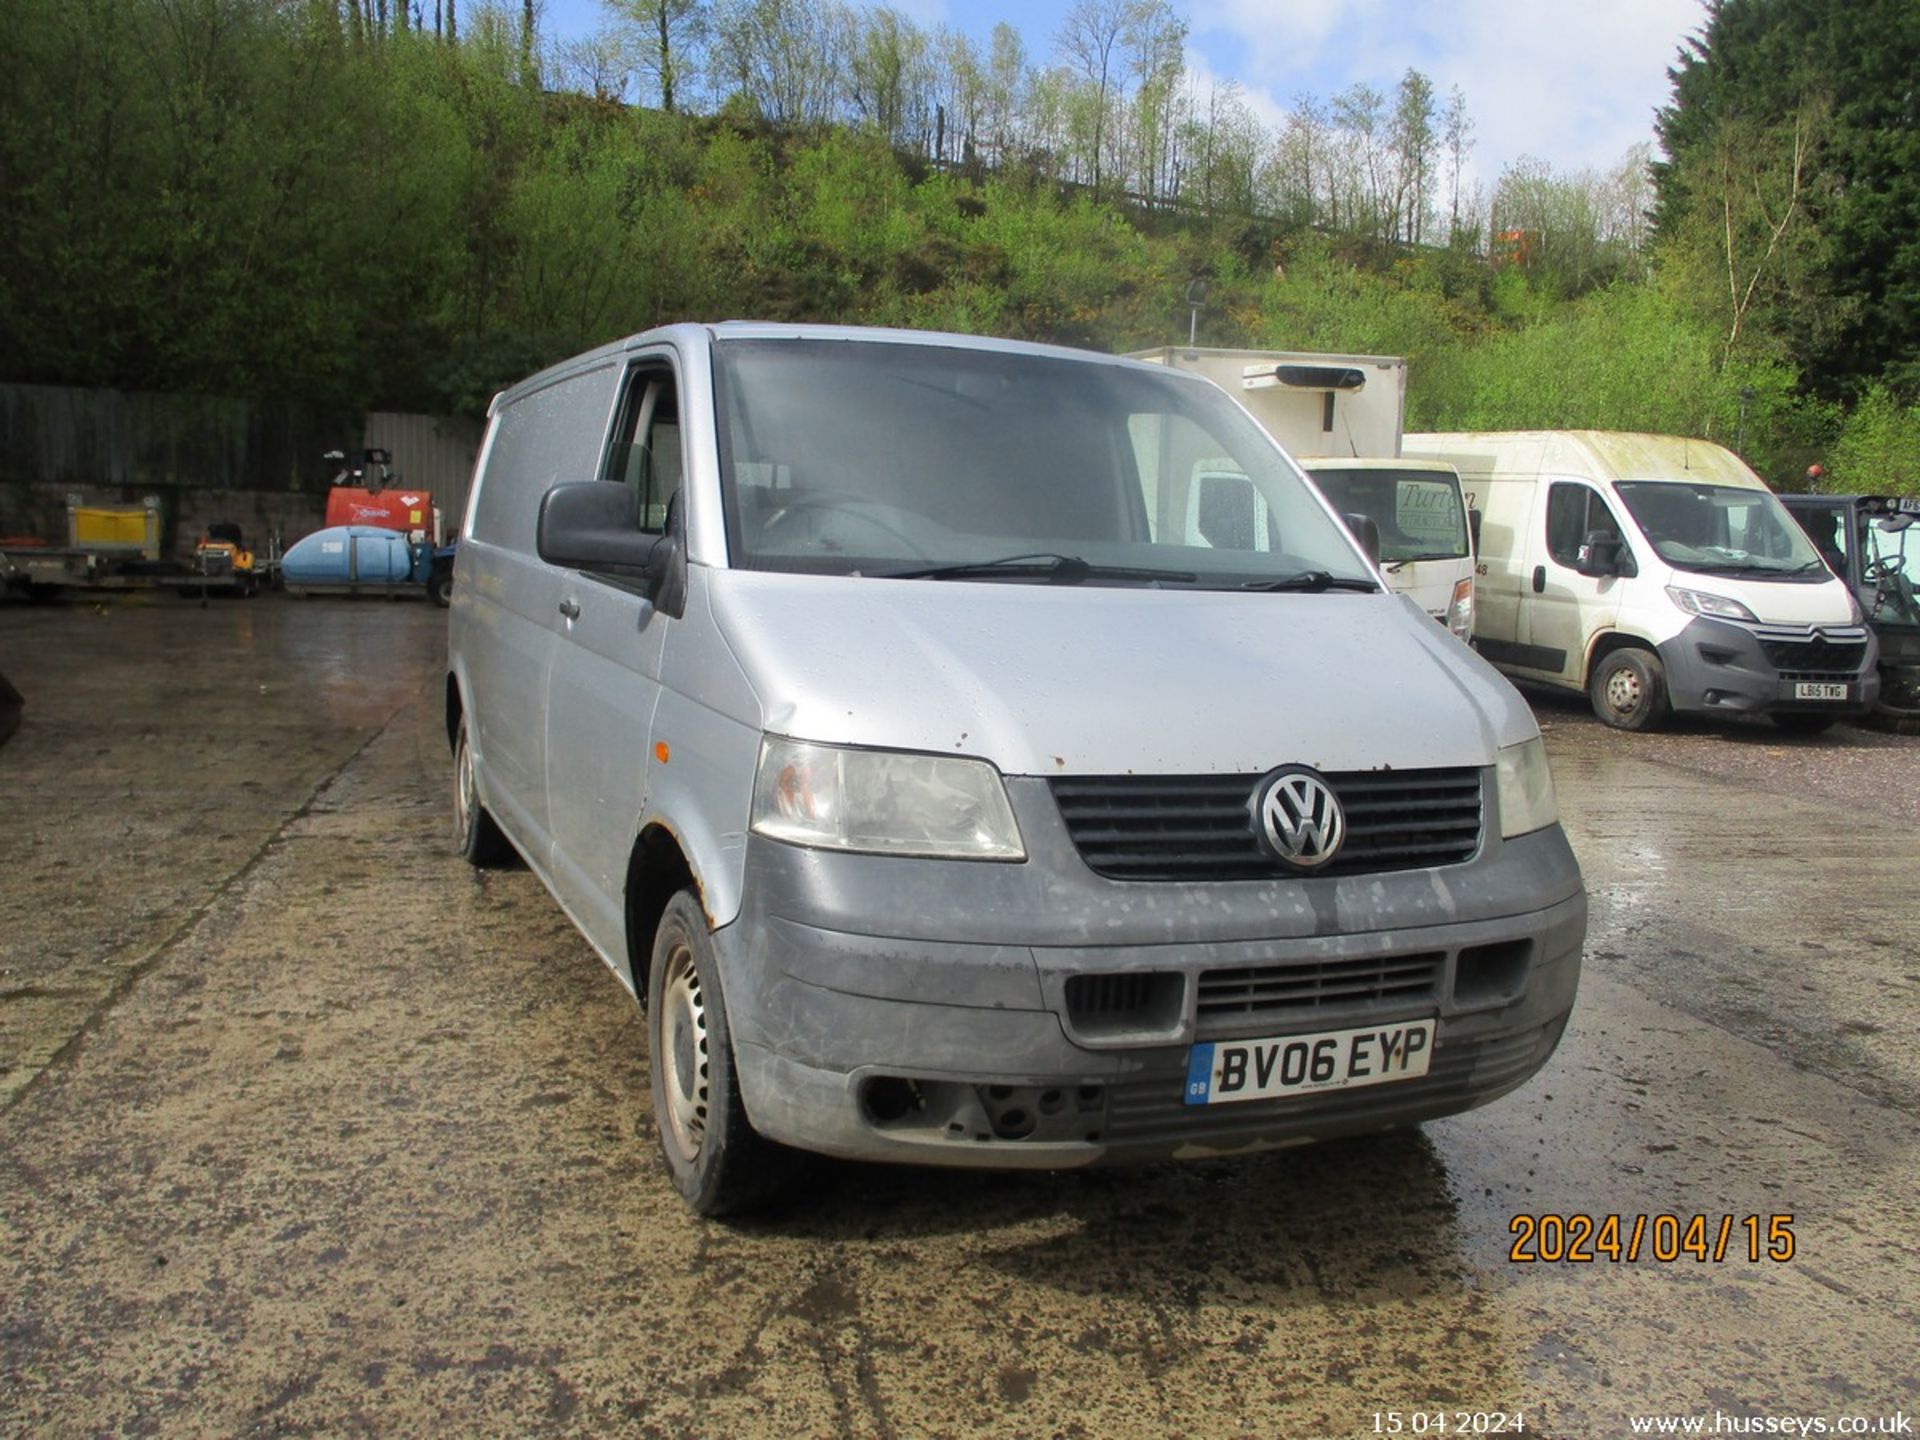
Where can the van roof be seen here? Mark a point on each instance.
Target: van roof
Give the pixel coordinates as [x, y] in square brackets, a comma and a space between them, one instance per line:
[697, 337]
[1604, 454]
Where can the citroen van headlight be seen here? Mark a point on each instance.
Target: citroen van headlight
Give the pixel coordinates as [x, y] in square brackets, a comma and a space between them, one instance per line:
[1526, 789]
[883, 802]
[1719, 607]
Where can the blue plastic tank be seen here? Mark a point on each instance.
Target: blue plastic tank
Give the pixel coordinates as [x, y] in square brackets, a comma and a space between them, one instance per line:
[346, 556]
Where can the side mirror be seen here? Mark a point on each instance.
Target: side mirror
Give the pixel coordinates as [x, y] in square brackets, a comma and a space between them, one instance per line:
[593, 525]
[1366, 532]
[1473, 529]
[1600, 555]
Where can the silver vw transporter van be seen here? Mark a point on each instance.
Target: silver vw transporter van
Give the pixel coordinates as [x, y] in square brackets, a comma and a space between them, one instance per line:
[955, 792]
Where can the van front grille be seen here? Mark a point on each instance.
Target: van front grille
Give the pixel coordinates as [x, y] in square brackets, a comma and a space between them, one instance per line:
[1814, 657]
[1200, 827]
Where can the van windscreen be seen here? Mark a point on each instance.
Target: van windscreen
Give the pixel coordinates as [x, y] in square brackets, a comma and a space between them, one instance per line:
[1722, 530]
[1419, 513]
[864, 457]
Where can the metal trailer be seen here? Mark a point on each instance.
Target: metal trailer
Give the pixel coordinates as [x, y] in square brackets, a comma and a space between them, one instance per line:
[113, 547]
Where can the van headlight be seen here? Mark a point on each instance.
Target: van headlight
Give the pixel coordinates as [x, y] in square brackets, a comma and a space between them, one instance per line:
[1460, 609]
[1526, 789]
[1718, 607]
[883, 802]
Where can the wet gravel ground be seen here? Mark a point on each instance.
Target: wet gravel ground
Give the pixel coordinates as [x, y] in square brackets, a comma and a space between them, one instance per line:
[1851, 766]
[310, 1129]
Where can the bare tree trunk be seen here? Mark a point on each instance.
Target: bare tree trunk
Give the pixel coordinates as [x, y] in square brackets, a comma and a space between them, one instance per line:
[528, 76]
[453, 22]
[666, 57]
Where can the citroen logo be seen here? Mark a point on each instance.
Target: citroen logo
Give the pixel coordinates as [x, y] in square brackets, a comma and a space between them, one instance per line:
[1299, 817]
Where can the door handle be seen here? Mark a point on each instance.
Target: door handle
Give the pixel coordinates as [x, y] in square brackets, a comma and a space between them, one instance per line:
[1539, 579]
[570, 609]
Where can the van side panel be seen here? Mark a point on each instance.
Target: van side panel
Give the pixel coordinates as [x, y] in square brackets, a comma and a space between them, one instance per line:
[512, 610]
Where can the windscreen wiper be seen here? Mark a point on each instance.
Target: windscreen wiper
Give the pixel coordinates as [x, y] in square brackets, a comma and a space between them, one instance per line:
[1394, 567]
[1805, 568]
[1312, 582]
[1048, 565]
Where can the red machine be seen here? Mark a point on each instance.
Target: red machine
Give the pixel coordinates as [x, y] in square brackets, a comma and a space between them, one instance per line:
[403, 510]
[410, 512]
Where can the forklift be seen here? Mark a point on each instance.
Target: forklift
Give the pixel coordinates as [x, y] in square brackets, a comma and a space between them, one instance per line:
[1873, 543]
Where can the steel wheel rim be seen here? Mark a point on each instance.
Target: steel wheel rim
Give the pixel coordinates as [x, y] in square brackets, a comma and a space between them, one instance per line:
[681, 1038]
[462, 792]
[1623, 691]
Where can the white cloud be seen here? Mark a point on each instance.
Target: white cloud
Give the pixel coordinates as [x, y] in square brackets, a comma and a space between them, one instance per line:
[1575, 84]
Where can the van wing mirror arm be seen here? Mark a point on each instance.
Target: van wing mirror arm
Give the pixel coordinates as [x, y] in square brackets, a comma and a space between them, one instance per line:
[667, 565]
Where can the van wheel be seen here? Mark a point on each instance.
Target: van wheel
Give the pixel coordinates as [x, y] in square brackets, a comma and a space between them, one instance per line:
[1804, 722]
[719, 1163]
[476, 835]
[1629, 690]
[440, 589]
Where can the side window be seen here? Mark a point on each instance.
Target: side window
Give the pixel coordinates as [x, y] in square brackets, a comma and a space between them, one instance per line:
[1573, 511]
[541, 439]
[646, 445]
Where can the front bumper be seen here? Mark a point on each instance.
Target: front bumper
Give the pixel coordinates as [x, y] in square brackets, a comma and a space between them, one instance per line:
[938, 1012]
[1721, 667]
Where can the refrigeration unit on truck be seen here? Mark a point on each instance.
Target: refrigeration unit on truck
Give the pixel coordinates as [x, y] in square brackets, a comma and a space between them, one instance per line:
[1340, 417]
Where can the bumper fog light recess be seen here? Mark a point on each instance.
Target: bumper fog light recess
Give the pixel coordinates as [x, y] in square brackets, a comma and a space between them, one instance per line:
[887, 1099]
[959, 1112]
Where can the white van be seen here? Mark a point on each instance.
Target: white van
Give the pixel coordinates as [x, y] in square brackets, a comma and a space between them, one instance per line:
[1655, 573]
[875, 707]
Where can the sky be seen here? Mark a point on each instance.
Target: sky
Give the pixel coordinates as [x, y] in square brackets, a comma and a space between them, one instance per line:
[1571, 82]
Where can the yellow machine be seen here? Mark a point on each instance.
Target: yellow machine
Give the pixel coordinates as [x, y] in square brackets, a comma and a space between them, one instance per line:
[221, 551]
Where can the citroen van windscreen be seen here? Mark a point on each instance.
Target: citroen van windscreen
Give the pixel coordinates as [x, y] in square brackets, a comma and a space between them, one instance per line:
[897, 459]
[1722, 530]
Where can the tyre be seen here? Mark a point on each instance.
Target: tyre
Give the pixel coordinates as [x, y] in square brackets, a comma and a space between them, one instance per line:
[1629, 690]
[440, 589]
[1804, 722]
[475, 833]
[718, 1162]
[1892, 722]
[1898, 712]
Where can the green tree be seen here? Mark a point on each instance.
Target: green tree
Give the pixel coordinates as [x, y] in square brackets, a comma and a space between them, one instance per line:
[1747, 84]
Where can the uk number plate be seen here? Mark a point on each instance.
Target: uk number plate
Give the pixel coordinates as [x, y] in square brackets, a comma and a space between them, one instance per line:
[1223, 1071]
[1808, 690]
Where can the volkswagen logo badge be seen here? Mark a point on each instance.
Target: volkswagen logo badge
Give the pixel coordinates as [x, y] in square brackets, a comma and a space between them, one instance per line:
[1298, 816]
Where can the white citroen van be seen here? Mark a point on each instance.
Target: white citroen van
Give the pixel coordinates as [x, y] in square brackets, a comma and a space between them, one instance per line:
[1655, 573]
[872, 705]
